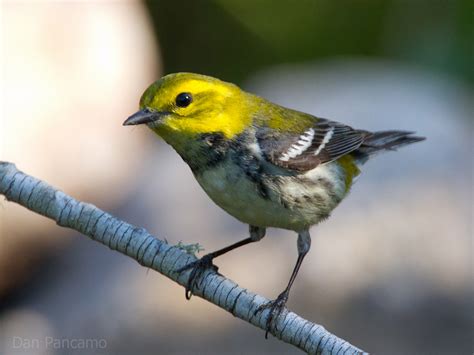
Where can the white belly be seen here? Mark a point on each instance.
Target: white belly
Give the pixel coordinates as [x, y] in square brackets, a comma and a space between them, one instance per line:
[290, 204]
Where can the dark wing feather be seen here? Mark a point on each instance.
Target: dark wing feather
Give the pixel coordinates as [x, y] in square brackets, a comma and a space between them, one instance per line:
[323, 142]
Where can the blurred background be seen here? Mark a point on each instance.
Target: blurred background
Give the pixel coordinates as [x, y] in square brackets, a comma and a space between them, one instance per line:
[390, 271]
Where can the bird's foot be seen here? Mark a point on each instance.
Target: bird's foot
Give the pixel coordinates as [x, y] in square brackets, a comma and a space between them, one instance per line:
[276, 307]
[197, 269]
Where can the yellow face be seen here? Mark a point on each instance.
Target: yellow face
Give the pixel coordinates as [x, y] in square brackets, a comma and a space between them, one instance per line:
[192, 104]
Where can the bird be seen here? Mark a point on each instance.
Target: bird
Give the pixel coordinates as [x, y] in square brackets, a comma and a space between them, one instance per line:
[262, 163]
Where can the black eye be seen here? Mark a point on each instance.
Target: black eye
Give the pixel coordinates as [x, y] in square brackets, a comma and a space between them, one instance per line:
[184, 99]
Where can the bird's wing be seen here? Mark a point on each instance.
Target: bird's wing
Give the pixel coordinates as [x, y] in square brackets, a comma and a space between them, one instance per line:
[321, 142]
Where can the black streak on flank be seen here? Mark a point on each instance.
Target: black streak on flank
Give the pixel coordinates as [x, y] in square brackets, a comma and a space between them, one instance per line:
[253, 171]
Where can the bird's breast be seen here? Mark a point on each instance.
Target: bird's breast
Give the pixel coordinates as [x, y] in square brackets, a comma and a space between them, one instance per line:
[252, 195]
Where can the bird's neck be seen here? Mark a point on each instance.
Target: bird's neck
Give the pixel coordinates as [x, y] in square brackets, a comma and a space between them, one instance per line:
[201, 151]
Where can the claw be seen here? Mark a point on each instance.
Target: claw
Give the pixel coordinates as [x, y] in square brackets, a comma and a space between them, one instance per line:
[198, 267]
[275, 307]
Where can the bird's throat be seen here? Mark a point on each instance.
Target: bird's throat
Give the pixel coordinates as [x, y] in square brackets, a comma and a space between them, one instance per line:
[199, 151]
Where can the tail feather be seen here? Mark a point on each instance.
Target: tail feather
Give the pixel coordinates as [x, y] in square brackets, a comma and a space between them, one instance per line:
[377, 142]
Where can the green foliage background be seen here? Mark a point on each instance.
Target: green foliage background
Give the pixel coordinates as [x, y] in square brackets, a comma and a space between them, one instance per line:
[231, 39]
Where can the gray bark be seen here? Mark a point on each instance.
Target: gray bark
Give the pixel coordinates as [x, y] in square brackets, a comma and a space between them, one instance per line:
[156, 254]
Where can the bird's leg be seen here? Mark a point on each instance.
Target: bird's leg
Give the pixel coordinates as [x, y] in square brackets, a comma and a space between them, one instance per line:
[276, 306]
[199, 266]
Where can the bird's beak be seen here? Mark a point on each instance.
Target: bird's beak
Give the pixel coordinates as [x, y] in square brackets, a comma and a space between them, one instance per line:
[144, 116]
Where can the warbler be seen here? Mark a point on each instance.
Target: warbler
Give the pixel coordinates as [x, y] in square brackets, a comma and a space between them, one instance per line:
[264, 164]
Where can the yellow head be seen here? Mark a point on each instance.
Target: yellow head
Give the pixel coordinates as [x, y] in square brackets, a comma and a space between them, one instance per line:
[180, 107]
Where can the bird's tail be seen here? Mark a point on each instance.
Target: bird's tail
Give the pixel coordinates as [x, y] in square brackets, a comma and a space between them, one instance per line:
[377, 142]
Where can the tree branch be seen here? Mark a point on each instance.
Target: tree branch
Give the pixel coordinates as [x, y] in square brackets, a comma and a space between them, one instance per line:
[156, 254]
